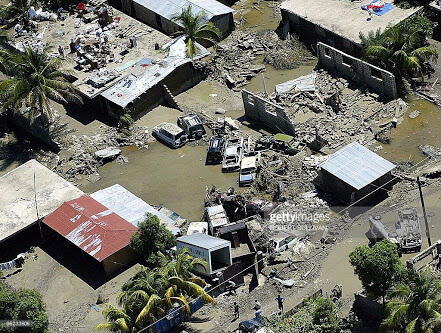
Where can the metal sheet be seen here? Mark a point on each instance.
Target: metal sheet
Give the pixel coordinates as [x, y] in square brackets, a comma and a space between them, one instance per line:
[203, 241]
[130, 207]
[356, 165]
[91, 226]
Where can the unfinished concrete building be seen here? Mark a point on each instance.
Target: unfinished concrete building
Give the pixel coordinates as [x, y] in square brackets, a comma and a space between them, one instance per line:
[159, 14]
[353, 172]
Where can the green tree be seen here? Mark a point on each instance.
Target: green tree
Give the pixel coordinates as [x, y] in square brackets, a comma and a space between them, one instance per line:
[378, 268]
[151, 239]
[117, 321]
[35, 78]
[196, 28]
[16, 10]
[152, 292]
[23, 304]
[324, 315]
[415, 306]
[403, 48]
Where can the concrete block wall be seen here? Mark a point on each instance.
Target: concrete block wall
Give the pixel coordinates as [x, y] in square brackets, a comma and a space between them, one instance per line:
[359, 71]
[270, 115]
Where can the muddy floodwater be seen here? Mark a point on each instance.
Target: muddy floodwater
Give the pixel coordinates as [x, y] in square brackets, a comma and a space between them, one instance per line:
[410, 133]
[175, 178]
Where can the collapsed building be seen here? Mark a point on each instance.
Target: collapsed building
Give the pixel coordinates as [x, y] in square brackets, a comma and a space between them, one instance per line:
[160, 14]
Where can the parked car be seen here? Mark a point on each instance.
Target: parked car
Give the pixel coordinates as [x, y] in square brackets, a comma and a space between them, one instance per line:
[201, 227]
[248, 169]
[170, 134]
[215, 150]
[192, 126]
[250, 326]
[283, 242]
[286, 144]
[233, 154]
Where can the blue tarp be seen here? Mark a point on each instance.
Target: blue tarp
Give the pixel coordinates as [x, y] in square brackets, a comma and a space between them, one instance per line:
[381, 11]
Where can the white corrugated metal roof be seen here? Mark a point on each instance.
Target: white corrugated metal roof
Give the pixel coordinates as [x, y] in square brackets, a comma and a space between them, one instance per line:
[170, 8]
[356, 165]
[130, 207]
[203, 241]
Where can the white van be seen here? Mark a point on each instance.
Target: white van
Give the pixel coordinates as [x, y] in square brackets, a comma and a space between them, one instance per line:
[248, 169]
[170, 134]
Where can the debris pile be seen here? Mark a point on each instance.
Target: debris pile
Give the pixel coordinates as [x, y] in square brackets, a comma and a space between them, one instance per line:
[237, 58]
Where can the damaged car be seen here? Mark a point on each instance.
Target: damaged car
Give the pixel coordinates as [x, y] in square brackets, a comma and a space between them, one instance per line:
[170, 134]
[192, 126]
[233, 154]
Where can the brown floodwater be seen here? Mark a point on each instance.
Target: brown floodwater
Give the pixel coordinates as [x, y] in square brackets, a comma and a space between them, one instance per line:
[257, 17]
[410, 133]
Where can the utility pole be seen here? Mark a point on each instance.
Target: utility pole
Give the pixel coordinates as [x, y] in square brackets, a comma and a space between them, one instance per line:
[424, 212]
[36, 207]
[264, 85]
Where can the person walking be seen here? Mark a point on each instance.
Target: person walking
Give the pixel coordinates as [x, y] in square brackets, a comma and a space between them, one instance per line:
[280, 301]
[236, 311]
[257, 305]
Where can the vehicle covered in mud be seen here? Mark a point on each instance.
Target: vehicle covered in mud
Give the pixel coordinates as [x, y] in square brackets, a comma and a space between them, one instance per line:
[170, 134]
[285, 144]
[408, 230]
[248, 170]
[215, 150]
[233, 154]
[192, 126]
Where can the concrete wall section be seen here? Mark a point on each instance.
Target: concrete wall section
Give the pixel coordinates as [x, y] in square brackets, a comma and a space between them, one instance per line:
[270, 115]
[357, 70]
[316, 33]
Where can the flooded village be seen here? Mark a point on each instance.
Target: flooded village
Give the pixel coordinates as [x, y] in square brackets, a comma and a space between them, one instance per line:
[220, 166]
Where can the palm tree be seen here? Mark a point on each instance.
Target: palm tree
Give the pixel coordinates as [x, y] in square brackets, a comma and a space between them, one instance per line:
[16, 10]
[196, 28]
[35, 79]
[400, 49]
[117, 321]
[415, 306]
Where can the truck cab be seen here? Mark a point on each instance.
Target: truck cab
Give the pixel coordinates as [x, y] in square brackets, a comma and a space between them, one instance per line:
[192, 126]
[248, 170]
[215, 150]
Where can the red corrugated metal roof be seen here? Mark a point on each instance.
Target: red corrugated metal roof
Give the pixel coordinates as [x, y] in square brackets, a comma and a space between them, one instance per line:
[91, 226]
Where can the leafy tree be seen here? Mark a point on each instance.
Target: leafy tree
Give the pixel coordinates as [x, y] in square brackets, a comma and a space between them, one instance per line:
[403, 48]
[415, 306]
[378, 268]
[16, 10]
[324, 315]
[318, 316]
[151, 239]
[153, 292]
[35, 78]
[23, 304]
[196, 28]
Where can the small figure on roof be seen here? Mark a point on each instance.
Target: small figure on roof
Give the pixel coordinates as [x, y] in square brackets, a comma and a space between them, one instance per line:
[236, 311]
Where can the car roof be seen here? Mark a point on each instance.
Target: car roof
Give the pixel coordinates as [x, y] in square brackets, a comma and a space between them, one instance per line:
[216, 143]
[283, 137]
[248, 162]
[171, 128]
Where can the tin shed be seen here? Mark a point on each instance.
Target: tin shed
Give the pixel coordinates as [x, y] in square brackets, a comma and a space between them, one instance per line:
[353, 172]
[216, 251]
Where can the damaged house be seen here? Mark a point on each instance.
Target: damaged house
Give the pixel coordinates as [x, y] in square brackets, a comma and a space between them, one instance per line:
[353, 172]
[159, 14]
[101, 236]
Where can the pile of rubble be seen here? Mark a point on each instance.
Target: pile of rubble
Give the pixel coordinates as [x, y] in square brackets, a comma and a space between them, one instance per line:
[340, 115]
[78, 157]
[237, 58]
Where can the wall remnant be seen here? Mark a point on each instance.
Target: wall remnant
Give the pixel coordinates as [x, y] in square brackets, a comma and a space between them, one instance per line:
[357, 70]
[271, 115]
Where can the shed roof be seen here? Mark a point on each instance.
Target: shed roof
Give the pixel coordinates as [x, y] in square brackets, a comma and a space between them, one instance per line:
[203, 241]
[91, 226]
[130, 207]
[17, 206]
[170, 8]
[356, 165]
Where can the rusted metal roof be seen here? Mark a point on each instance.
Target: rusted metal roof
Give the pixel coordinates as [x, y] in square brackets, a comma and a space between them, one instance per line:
[91, 226]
